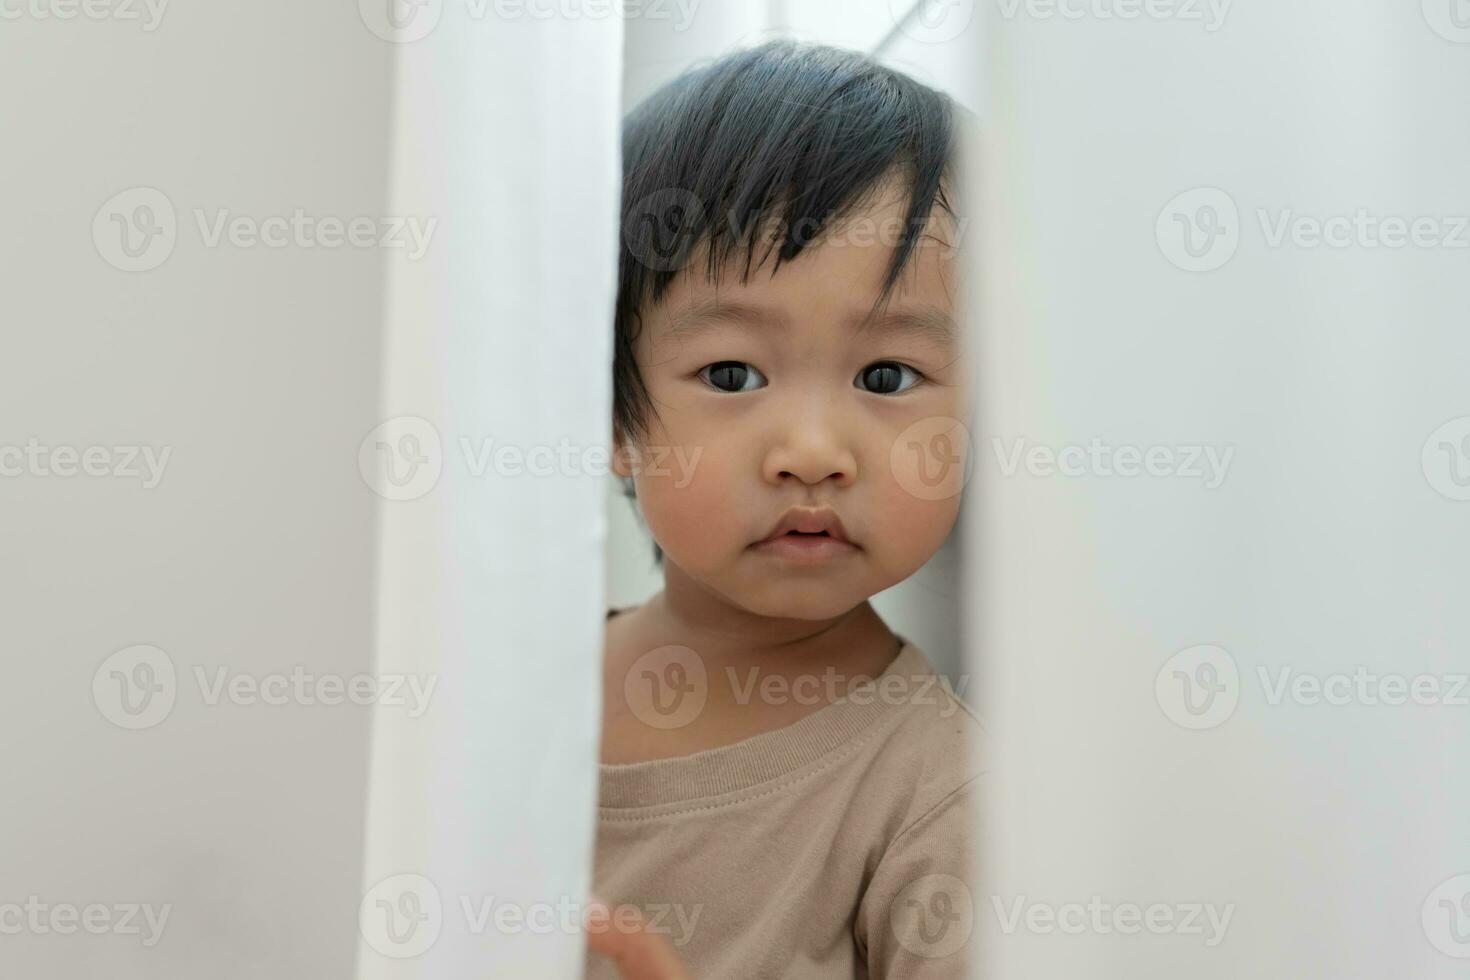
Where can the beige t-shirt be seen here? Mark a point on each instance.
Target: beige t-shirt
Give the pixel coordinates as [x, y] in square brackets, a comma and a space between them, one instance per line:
[838, 847]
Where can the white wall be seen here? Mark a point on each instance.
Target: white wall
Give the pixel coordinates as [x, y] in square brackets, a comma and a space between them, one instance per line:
[257, 369]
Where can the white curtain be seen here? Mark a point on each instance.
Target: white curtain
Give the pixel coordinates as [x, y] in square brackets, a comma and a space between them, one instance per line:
[1151, 644]
[480, 819]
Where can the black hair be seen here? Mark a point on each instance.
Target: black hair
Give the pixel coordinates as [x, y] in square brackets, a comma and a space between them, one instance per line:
[788, 136]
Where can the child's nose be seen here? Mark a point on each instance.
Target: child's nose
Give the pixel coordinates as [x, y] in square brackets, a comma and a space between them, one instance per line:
[812, 443]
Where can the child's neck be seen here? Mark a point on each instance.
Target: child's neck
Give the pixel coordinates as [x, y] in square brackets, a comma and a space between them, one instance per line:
[734, 643]
[814, 662]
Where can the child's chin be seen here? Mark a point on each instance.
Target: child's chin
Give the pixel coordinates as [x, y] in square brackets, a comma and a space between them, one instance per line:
[780, 599]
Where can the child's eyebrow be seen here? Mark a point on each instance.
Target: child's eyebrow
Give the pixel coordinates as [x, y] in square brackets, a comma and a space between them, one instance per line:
[929, 324]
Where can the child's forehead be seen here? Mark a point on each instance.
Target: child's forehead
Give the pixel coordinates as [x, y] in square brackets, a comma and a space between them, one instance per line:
[838, 277]
[834, 291]
[836, 280]
[830, 278]
[932, 326]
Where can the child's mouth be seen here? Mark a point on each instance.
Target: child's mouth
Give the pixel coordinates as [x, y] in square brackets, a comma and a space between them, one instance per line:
[805, 547]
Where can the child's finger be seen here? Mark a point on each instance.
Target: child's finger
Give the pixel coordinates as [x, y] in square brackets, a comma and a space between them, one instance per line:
[637, 953]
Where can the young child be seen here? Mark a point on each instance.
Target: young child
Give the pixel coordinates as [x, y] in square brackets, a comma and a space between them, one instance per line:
[788, 788]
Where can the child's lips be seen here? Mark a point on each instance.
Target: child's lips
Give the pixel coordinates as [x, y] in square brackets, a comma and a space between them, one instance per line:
[809, 520]
[805, 548]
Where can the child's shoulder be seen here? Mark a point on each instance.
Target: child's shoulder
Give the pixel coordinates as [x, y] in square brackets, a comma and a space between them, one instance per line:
[935, 745]
[924, 781]
[930, 707]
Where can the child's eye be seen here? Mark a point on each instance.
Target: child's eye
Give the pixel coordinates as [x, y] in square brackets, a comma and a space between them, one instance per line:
[885, 377]
[731, 376]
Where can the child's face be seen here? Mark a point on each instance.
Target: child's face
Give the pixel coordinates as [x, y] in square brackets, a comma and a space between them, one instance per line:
[803, 419]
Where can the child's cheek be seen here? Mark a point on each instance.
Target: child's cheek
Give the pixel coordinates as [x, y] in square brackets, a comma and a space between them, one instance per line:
[693, 511]
[912, 526]
[927, 522]
[928, 460]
